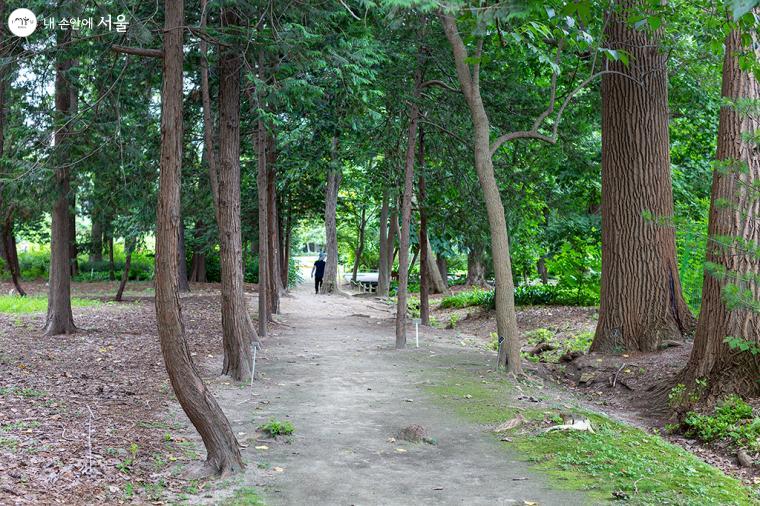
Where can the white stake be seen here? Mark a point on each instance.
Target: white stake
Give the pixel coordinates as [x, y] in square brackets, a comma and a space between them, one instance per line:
[417, 331]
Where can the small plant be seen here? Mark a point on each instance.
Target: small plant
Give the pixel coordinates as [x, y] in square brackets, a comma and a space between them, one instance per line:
[277, 428]
[453, 320]
[732, 420]
[537, 336]
[676, 395]
[494, 343]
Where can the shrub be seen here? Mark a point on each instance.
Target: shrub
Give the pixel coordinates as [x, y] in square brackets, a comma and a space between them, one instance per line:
[474, 297]
[277, 428]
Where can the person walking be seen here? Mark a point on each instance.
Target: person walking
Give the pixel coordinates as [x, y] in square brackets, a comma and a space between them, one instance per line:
[318, 272]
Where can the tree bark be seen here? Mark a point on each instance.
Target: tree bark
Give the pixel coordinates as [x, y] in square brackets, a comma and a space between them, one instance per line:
[360, 245]
[96, 238]
[506, 318]
[406, 205]
[10, 253]
[237, 329]
[732, 232]
[129, 246]
[383, 272]
[223, 454]
[330, 281]
[261, 183]
[476, 269]
[273, 227]
[423, 248]
[439, 272]
[73, 250]
[198, 268]
[111, 263]
[641, 302]
[59, 317]
[184, 286]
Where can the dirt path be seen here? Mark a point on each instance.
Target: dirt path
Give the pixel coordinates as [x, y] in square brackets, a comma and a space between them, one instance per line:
[330, 369]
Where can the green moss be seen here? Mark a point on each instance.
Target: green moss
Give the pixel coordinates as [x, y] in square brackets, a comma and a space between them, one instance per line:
[12, 304]
[616, 459]
[245, 496]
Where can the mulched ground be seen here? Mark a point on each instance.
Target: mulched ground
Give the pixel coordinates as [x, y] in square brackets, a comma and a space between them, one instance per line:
[83, 417]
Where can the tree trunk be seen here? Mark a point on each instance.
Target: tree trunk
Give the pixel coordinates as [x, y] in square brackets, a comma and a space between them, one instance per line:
[10, 254]
[73, 250]
[59, 317]
[223, 454]
[360, 246]
[128, 247]
[506, 318]
[641, 303]
[273, 227]
[184, 286]
[406, 206]
[439, 271]
[542, 270]
[261, 182]
[286, 253]
[111, 264]
[198, 268]
[476, 269]
[237, 330]
[393, 233]
[96, 238]
[733, 234]
[423, 249]
[383, 273]
[330, 281]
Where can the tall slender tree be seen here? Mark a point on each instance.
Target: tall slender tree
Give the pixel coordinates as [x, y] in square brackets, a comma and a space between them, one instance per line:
[223, 453]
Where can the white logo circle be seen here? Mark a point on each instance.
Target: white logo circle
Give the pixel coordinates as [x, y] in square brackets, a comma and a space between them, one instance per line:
[22, 22]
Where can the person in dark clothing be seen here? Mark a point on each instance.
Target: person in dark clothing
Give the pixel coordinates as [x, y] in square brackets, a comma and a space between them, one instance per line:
[318, 272]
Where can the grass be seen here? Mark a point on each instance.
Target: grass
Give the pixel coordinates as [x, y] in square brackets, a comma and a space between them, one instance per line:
[617, 461]
[13, 304]
[245, 496]
[474, 297]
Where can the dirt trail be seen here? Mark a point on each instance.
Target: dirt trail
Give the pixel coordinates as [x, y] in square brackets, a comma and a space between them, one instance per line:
[330, 369]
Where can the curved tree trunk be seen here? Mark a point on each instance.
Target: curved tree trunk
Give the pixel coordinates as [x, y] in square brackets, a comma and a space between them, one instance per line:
[383, 273]
[128, 248]
[506, 318]
[641, 302]
[330, 281]
[59, 318]
[10, 253]
[734, 209]
[437, 283]
[223, 454]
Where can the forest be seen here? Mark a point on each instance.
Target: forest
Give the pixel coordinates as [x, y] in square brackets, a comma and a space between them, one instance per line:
[380, 252]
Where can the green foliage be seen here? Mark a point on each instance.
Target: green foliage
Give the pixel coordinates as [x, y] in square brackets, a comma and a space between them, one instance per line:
[733, 420]
[561, 346]
[474, 297]
[578, 268]
[552, 295]
[245, 496]
[276, 428]
[13, 304]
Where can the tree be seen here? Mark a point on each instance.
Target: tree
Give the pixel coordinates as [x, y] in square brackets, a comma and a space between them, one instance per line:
[727, 336]
[59, 317]
[641, 302]
[223, 454]
[237, 329]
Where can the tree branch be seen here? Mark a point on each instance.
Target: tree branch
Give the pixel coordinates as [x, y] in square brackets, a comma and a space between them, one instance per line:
[436, 82]
[138, 51]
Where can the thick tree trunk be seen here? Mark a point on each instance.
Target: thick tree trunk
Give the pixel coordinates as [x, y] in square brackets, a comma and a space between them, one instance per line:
[223, 454]
[237, 330]
[506, 318]
[129, 246]
[439, 272]
[383, 272]
[641, 302]
[733, 232]
[59, 318]
[423, 249]
[184, 286]
[273, 227]
[330, 281]
[360, 246]
[476, 268]
[198, 268]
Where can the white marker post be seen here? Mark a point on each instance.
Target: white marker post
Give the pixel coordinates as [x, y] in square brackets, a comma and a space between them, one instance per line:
[253, 363]
[417, 322]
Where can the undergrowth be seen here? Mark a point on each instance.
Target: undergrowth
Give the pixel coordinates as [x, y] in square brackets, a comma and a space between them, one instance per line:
[13, 304]
[732, 420]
